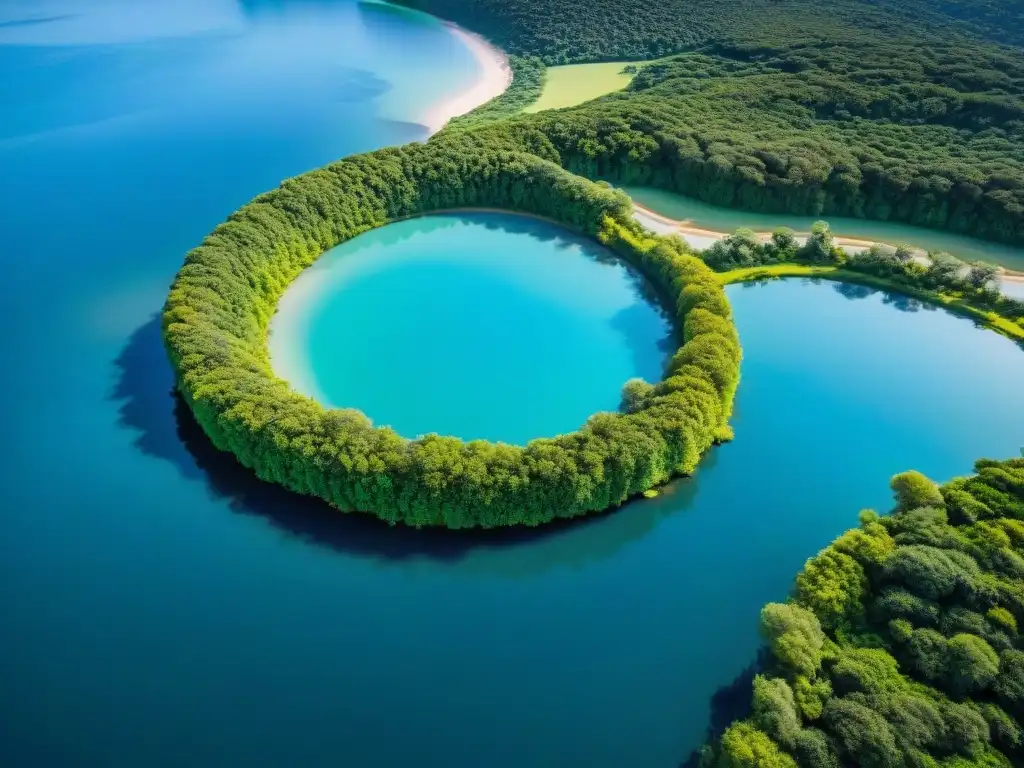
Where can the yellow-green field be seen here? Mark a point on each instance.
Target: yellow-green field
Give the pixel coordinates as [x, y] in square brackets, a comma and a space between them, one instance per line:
[576, 83]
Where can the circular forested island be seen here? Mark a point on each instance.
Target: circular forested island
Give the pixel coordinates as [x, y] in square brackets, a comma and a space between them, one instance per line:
[219, 309]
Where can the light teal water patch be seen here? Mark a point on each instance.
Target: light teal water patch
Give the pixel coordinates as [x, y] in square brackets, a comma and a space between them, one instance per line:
[480, 325]
[728, 220]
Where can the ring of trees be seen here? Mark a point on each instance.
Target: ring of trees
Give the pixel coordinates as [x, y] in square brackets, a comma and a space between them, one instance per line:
[219, 307]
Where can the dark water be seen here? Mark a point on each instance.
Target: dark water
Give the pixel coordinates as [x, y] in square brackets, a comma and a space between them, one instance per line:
[161, 609]
[555, 324]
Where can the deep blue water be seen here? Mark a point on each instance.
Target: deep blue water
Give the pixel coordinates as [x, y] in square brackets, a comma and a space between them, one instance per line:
[555, 323]
[161, 609]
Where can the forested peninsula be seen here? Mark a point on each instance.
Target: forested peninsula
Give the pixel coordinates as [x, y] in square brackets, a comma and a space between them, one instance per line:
[900, 645]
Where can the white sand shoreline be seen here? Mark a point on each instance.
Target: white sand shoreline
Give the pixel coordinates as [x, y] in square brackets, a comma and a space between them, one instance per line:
[493, 79]
[703, 238]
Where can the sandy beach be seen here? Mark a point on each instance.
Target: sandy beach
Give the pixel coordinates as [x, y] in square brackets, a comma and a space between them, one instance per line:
[704, 238]
[493, 77]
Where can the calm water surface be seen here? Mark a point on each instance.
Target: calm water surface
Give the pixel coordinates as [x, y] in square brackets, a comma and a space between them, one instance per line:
[720, 219]
[161, 609]
[479, 325]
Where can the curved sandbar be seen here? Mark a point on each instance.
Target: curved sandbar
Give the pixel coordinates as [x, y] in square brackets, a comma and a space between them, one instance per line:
[493, 79]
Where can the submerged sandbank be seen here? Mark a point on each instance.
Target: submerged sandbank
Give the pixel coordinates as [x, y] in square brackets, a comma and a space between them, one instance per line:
[493, 78]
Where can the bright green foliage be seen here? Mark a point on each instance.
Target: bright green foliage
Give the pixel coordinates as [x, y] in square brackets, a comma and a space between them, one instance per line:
[775, 710]
[914, 490]
[896, 602]
[1003, 618]
[973, 665]
[811, 696]
[832, 585]
[865, 670]
[744, 746]
[635, 393]
[795, 637]
[901, 630]
[870, 545]
[216, 316]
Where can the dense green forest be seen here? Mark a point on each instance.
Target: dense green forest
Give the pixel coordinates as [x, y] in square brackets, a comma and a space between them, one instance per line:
[890, 112]
[566, 32]
[901, 645]
[216, 317]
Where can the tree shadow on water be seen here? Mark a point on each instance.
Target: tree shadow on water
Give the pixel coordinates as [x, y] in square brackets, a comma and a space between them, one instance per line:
[649, 335]
[729, 703]
[896, 300]
[166, 429]
[853, 291]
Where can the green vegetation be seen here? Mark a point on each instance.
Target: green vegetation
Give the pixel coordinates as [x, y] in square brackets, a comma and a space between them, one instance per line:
[900, 645]
[216, 317]
[573, 84]
[625, 30]
[971, 289]
[528, 77]
[893, 112]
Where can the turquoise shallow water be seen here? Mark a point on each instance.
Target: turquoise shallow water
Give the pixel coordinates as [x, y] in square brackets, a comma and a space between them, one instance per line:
[162, 609]
[719, 219]
[555, 323]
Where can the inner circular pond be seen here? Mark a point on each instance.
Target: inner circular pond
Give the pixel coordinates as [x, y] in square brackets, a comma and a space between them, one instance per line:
[482, 325]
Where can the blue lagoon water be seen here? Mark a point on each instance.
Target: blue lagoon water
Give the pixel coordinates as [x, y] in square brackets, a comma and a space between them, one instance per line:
[553, 324]
[162, 609]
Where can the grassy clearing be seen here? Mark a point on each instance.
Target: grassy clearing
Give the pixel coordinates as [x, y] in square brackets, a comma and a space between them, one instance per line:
[576, 83]
[949, 301]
